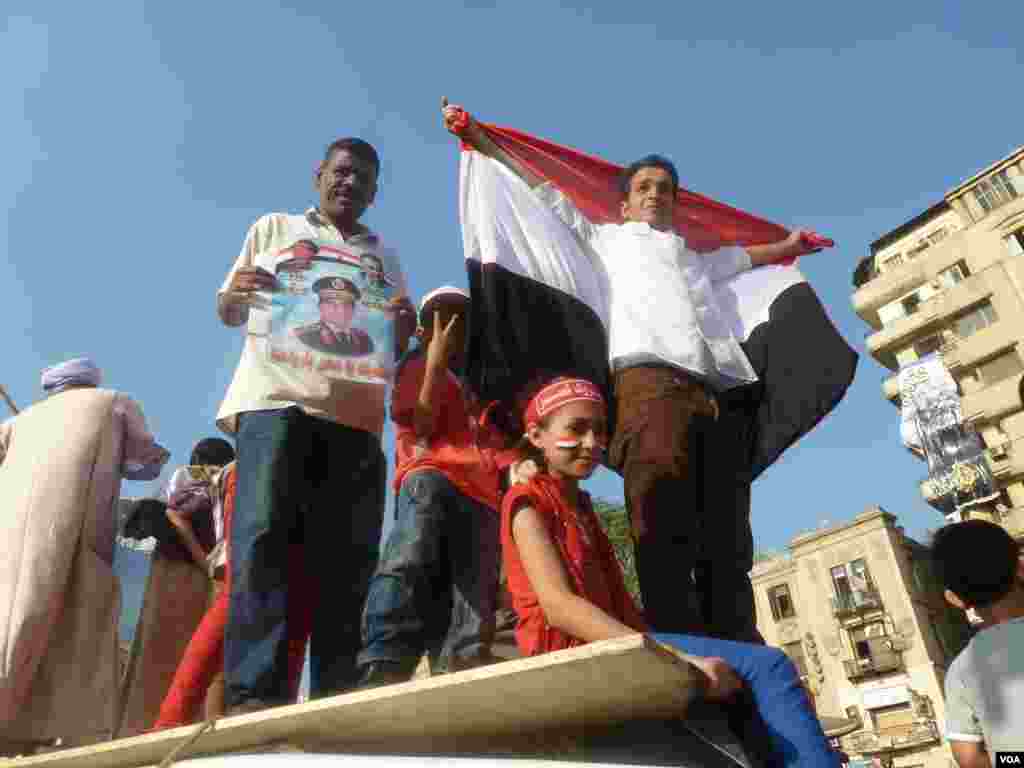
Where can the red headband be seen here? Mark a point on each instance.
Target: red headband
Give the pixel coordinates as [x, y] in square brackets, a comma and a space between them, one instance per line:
[557, 394]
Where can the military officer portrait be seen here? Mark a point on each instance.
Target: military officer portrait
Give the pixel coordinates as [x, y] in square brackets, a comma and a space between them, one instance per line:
[372, 272]
[333, 332]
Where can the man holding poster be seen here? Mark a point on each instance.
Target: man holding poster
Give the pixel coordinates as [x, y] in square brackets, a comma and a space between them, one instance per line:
[307, 411]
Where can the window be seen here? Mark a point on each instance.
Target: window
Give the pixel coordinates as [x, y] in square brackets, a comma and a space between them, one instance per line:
[890, 313]
[1015, 242]
[895, 720]
[890, 262]
[955, 274]
[916, 250]
[871, 644]
[999, 368]
[781, 602]
[910, 303]
[927, 345]
[795, 651]
[906, 356]
[974, 320]
[994, 191]
[841, 581]
[851, 580]
[859, 576]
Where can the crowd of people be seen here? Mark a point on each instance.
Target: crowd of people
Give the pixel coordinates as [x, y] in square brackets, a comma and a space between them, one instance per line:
[298, 501]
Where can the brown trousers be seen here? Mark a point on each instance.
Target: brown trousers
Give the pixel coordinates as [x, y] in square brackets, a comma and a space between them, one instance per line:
[689, 503]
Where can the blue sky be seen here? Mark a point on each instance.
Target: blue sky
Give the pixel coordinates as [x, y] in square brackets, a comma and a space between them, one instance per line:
[139, 142]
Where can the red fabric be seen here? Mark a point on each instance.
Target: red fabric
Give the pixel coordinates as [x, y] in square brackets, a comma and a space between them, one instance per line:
[460, 446]
[204, 655]
[559, 392]
[592, 183]
[587, 554]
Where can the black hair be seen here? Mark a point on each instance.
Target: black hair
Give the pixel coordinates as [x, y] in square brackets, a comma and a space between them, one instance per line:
[516, 419]
[976, 560]
[356, 147]
[212, 451]
[649, 161]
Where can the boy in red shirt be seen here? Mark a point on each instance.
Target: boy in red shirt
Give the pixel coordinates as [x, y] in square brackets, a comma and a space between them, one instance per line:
[435, 586]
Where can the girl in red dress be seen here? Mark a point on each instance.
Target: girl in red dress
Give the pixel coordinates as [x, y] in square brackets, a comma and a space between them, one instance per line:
[567, 586]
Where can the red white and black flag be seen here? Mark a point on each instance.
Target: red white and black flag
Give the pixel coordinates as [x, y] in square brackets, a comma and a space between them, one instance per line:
[540, 297]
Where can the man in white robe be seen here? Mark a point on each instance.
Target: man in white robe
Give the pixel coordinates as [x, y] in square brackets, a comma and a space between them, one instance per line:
[61, 465]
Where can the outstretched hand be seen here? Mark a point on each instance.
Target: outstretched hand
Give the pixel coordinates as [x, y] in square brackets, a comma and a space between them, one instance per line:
[722, 680]
[456, 119]
[802, 242]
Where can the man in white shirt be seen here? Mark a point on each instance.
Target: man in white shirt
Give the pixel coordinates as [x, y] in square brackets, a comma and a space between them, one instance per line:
[310, 465]
[672, 352]
[980, 567]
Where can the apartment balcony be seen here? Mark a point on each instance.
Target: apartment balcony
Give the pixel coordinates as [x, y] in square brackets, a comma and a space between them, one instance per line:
[994, 402]
[919, 734]
[934, 312]
[881, 288]
[882, 344]
[881, 663]
[986, 343]
[1006, 460]
[856, 602]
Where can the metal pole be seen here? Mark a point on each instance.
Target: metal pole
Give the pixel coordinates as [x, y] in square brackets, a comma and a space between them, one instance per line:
[7, 398]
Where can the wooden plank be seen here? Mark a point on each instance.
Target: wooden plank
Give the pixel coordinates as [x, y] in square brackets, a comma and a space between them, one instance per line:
[504, 705]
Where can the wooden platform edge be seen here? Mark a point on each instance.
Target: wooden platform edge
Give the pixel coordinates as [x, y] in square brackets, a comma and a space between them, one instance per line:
[296, 724]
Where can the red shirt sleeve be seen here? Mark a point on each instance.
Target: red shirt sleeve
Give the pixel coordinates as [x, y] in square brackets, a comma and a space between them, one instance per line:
[407, 390]
[407, 393]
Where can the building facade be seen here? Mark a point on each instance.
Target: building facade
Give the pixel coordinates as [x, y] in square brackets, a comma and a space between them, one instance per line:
[857, 608]
[951, 281]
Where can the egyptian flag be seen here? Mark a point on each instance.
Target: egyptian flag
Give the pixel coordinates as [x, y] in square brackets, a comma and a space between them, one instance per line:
[539, 297]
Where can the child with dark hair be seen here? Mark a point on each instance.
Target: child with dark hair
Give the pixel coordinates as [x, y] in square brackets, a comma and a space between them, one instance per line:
[192, 492]
[435, 586]
[200, 674]
[567, 586]
[981, 568]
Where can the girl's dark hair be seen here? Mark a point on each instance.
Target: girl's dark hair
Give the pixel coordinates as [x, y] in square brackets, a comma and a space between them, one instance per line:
[528, 450]
[510, 419]
[212, 452]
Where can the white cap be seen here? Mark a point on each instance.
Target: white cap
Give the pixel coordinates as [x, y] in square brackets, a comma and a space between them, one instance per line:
[444, 290]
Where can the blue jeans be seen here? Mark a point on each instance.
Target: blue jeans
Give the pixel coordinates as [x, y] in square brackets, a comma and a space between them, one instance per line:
[436, 586]
[777, 709]
[307, 480]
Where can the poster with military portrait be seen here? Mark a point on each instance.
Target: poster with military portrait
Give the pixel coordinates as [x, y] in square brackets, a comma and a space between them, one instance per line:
[932, 427]
[332, 314]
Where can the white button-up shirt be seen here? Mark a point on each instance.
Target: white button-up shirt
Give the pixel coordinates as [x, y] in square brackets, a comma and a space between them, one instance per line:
[663, 306]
